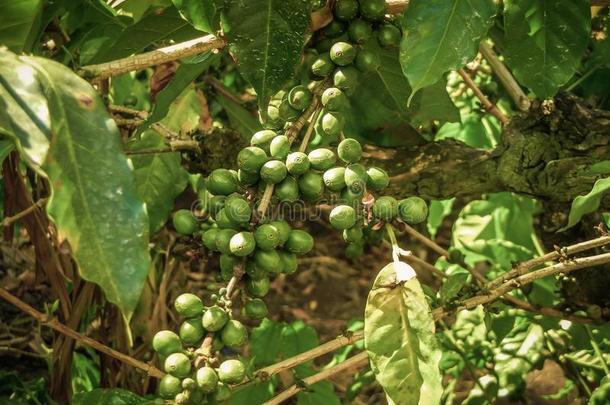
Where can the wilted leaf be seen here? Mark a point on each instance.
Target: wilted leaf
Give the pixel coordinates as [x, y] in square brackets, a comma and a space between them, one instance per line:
[399, 338]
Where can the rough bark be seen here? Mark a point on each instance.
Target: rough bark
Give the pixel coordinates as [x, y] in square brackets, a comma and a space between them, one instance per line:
[545, 153]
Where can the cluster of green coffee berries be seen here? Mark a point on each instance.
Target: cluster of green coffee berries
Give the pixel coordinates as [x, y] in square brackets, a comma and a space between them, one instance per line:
[190, 379]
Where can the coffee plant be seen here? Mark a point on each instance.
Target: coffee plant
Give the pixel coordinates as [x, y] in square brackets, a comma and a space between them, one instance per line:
[196, 193]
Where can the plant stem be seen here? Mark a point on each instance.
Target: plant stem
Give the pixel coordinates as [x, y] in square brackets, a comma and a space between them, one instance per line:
[356, 361]
[38, 204]
[312, 124]
[395, 248]
[488, 105]
[54, 324]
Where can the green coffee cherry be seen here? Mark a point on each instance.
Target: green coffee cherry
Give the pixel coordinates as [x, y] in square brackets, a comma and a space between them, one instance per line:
[185, 222]
[178, 365]
[262, 139]
[349, 150]
[287, 112]
[388, 35]
[333, 99]
[322, 159]
[346, 9]
[223, 221]
[323, 65]
[247, 178]
[209, 239]
[214, 319]
[231, 371]
[221, 182]
[189, 384]
[332, 123]
[297, 163]
[359, 31]
[352, 198]
[169, 386]
[334, 29]
[227, 266]
[258, 288]
[191, 331]
[334, 178]
[223, 240]
[342, 217]
[367, 61]
[311, 186]
[256, 309]
[267, 237]
[372, 10]
[289, 262]
[182, 398]
[237, 209]
[268, 260]
[273, 171]
[207, 379]
[299, 242]
[353, 234]
[354, 250]
[413, 210]
[377, 178]
[355, 178]
[188, 305]
[283, 229]
[217, 203]
[166, 342]
[385, 208]
[287, 190]
[346, 78]
[234, 334]
[242, 244]
[223, 393]
[299, 97]
[255, 272]
[279, 147]
[251, 159]
[342, 53]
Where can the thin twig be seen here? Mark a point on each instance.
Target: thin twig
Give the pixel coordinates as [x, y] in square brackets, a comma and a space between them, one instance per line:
[566, 252]
[488, 105]
[357, 361]
[507, 80]
[424, 240]
[265, 200]
[54, 324]
[174, 146]
[156, 57]
[312, 124]
[525, 279]
[412, 259]
[38, 204]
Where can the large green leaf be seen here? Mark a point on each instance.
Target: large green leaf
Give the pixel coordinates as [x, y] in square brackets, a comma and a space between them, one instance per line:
[200, 13]
[186, 73]
[544, 41]
[239, 117]
[266, 37]
[441, 35]
[94, 201]
[160, 178]
[585, 204]
[265, 342]
[399, 338]
[19, 23]
[159, 26]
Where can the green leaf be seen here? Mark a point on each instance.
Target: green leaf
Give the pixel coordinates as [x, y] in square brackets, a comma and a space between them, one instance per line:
[298, 337]
[184, 76]
[199, 13]
[544, 41]
[110, 396]
[240, 118]
[94, 201]
[322, 392]
[253, 394]
[441, 35]
[160, 178]
[20, 23]
[6, 147]
[433, 103]
[155, 27]
[439, 209]
[457, 278]
[399, 338]
[585, 204]
[265, 342]
[266, 37]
